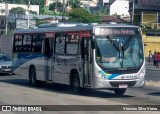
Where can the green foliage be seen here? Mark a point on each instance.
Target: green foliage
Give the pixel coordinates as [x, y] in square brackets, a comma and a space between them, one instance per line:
[18, 10]
[74, 3]
[82, 15]
[46, 11]
[103, 11]
[54, 5]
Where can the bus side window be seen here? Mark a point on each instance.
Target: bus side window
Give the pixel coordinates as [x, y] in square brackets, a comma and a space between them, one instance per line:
[27, 39]
[60, 44]
[17, 46]
[72, 41]
[37, 43]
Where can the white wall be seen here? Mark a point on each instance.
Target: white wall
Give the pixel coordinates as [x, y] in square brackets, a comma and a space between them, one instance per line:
[10, 6]
[120, 7]
[91, 3]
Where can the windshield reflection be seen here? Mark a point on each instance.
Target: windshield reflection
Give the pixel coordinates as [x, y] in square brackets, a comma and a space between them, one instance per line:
[119, 52]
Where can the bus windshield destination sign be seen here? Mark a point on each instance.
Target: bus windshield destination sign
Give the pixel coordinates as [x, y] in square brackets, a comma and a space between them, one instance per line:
[115, 31]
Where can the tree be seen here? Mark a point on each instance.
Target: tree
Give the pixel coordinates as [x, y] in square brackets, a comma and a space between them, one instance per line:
[74, 3]
[82, 15]
[18, 10]
[54, 5]
[103, 11]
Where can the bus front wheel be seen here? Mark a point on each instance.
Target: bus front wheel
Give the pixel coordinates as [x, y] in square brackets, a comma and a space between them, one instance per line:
[75, 84]
[32, 77]
[119, 91]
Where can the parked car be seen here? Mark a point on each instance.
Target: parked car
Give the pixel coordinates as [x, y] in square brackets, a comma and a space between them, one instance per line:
[5, 64]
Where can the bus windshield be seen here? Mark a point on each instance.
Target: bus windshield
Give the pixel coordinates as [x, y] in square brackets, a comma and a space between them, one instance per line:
[119, 51]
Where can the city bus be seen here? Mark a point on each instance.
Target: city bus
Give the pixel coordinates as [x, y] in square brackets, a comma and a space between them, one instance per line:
[102, 56]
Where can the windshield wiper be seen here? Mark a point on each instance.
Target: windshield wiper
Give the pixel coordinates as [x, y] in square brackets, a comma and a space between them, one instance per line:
[127, 42]
[113, 43]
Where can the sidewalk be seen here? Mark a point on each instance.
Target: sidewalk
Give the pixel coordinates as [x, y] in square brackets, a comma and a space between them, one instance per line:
[151, 67]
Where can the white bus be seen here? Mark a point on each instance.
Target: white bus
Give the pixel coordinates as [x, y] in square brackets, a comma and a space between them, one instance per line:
[109, 56]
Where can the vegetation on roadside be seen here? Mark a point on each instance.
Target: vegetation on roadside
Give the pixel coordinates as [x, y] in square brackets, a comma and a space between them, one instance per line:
[82, 15]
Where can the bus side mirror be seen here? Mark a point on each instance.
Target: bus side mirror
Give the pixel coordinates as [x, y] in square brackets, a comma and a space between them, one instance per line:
[93, 43]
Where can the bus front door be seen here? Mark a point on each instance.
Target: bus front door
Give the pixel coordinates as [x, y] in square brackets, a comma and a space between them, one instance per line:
[48, 61]
[86, 52]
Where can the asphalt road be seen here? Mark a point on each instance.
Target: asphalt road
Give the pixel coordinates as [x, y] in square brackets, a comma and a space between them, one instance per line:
[153, 75]
[16, 91]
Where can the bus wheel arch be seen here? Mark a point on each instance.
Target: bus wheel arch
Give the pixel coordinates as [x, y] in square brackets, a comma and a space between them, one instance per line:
[75, 81]
[32, 75]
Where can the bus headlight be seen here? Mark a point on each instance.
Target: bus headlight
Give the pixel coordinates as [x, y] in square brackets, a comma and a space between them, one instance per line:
[141, 75]
[99, 74]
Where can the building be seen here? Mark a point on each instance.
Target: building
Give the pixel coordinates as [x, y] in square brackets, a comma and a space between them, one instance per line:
[109, 19]
[91, 3]
[101, 6]
[8, 7]
[11, 18]
[120, 7]
[145, 12]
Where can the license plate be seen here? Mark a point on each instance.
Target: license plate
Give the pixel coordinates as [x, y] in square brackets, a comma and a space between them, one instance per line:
[123, 86]
[7, 69]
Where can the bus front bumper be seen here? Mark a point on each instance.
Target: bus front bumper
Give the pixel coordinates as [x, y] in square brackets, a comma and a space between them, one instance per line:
[104, 83]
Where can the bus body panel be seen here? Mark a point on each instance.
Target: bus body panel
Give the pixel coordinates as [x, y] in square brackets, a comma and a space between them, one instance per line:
[22, 62]
[115, 80]
[58, 67]
[62, 68]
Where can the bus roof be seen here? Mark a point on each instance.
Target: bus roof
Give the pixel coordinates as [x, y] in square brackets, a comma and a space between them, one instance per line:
[75, 27]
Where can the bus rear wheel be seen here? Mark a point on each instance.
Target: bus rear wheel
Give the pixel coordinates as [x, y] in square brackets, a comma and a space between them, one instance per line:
[75, 84]
[32, 77]
[119, 91]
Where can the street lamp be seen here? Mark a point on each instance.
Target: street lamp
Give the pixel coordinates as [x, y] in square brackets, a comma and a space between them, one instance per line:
[64, 6]
[6, 14]
[28, 18]
[133, 11]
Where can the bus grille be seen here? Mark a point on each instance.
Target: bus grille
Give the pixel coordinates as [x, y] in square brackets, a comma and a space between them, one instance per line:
[116, 84]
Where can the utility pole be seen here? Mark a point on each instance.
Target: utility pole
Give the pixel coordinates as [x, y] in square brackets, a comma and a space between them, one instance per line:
[63, 19]
[28, 19]
[6, 12]
[133, 11]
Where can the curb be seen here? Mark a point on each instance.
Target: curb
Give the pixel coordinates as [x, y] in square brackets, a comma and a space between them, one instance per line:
[152, 69]
[152, 83]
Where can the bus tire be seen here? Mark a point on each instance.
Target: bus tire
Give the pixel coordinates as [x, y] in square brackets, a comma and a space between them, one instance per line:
[32, 77]
[75, 84]
[119, 91]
